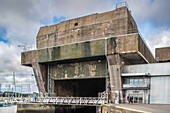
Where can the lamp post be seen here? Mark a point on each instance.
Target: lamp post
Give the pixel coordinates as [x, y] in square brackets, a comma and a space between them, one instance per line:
[24, 47]
[14, 83]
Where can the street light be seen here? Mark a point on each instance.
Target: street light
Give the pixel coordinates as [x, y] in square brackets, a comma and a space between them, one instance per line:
[24, 48]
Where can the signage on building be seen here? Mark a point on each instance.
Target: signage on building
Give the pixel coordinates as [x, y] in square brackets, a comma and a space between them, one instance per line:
[135, 91]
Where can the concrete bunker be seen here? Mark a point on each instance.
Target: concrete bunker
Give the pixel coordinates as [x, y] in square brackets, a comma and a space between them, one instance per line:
[79, 78]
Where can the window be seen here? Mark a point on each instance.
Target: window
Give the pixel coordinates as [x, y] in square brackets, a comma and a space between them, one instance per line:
[76, 24]
[131, 81]
[135, 81]
[140, 81]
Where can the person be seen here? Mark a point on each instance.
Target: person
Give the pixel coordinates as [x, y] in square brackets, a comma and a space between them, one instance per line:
[131, 99]
[35, 98]
[128, 99]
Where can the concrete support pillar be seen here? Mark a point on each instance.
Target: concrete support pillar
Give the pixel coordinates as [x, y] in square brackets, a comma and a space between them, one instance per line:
[40, 76]
[115, 69]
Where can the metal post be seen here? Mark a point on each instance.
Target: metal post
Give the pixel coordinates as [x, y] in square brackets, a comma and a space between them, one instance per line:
[30, 92]
[14, 83]
[106, 66]
[0, 87]
[21, 91]
[109, 109]
[97, 109]
[8, 91]
[48, 81]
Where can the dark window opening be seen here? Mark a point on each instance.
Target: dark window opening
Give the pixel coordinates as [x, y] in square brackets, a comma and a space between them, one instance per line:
[76, 24]
[79, 87]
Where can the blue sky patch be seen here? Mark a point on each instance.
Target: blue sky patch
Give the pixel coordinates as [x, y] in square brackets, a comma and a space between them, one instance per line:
[148, 28]
[57, 20]
[3, 33]
[44, 21]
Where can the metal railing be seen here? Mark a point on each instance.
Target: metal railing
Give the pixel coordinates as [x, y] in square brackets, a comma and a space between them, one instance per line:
[103, 99]
[122, 4]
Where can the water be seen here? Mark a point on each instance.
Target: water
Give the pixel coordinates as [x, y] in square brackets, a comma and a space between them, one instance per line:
[9, 109]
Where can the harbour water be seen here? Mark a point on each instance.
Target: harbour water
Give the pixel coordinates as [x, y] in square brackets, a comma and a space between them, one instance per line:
[9, 109]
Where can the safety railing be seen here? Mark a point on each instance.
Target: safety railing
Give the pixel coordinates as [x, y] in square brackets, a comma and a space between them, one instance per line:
[122, 4]
[103, 99]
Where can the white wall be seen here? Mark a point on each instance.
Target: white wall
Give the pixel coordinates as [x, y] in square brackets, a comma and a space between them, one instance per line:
[160, 90]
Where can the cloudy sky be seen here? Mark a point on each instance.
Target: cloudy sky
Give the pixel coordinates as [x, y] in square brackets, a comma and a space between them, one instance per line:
[20, 21]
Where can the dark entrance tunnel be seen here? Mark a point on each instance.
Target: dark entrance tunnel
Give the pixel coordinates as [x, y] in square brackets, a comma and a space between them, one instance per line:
[79, 87]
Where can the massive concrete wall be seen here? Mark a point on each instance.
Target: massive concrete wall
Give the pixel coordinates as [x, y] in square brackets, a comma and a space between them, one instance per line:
[30, 57]
[72, 51]
[83, 69]
[90, 27]
[79, 50]
[128, 46]
[122, 44]
[144, 50]
[163, 54]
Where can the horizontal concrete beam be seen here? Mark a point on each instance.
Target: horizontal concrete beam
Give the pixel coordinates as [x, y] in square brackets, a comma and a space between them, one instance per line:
[124, 45]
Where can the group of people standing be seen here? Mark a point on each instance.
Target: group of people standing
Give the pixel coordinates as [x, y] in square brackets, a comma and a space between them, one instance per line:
[130, 99]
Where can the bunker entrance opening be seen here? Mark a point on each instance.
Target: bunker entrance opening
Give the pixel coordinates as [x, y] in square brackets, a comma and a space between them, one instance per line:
[79, 87]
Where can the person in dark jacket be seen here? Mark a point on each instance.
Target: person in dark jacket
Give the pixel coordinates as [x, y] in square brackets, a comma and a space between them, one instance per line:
[131, 99]
[128, 99]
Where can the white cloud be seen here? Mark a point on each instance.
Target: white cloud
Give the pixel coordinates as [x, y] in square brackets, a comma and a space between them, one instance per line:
[159, 40]
[10, 58]
[150, 10]
[10, 62]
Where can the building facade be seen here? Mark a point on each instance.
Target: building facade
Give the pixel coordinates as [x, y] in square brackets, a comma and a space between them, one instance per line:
[150, 82]
[87, 55]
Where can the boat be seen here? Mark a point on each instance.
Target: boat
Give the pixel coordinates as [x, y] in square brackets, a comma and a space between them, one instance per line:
[1, 103]
[5, 103]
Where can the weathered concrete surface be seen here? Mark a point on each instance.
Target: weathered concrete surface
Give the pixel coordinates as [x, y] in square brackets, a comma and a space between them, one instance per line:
[144, 50]
[128, 46]
[40, 73]
[29, 57]
[86, 28]
[79, 50]
[73, 51]
[163, 54]
[115, 69]
[135, 108]
[83, 69]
